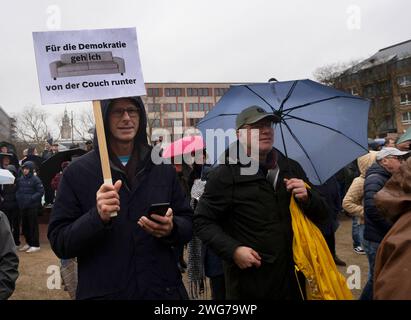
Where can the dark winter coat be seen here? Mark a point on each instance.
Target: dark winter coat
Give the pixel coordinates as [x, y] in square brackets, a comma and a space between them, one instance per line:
[331, 193]
[29, 190]
[245, 210]
[120, 260]
[8, 193]
[9, 260]
[376, 226]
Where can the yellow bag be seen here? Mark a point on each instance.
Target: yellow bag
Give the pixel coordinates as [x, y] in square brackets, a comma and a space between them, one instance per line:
[313, 258]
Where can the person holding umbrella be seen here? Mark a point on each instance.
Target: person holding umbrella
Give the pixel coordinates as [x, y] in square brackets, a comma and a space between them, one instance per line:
[128, 256]
[245, 218]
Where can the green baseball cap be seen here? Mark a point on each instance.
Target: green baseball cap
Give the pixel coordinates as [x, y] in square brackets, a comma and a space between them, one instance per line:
[254, 114]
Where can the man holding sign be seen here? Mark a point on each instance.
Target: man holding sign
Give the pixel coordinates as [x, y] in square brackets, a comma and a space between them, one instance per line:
[128, 256]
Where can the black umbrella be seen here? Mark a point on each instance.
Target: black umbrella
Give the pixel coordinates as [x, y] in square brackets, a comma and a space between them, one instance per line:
[33, 158]
[50, 167]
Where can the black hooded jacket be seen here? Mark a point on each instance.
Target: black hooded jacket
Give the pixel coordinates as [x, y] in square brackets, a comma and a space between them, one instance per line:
[376, 226]
[120, 260]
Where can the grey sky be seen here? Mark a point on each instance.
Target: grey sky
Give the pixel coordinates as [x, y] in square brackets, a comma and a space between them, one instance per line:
[206, 41]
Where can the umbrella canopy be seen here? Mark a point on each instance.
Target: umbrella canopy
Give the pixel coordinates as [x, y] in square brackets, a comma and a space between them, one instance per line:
[321, 128]
[37, 160]
[405, 137]
[183, 146]
[50, 167]
[6, 177]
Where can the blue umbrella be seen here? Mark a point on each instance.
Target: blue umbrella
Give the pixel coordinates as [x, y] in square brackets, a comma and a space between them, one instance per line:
[321, 128]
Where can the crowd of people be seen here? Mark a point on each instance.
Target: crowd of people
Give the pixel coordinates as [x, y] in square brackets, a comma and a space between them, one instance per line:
[236, 228]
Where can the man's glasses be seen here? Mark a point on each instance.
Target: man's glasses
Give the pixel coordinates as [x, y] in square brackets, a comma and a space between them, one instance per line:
[119, 113]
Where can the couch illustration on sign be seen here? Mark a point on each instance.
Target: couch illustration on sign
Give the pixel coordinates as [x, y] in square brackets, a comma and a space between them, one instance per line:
[89, 63]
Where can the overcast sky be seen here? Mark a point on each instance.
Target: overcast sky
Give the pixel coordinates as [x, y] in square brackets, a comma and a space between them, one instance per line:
[205, 41]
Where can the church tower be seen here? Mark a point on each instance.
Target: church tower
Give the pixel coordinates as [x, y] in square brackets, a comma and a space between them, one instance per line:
[65, 129]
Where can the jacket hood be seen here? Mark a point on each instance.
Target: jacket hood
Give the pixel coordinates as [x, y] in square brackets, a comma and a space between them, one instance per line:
[141, 136]
[30, 165]
[394, 199]
[366, 161]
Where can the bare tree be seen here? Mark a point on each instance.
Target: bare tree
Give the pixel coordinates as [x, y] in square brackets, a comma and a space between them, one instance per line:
[83, 124]
[31, 126]
[153, 114]
[329, 73]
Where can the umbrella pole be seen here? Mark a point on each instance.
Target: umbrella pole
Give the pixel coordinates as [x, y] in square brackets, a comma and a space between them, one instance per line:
[101, 137]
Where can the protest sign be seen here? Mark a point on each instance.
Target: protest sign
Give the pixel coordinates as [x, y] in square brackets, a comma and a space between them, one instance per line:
[89, 65]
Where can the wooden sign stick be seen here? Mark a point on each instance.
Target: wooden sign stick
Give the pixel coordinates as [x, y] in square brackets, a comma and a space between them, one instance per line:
[102, 145]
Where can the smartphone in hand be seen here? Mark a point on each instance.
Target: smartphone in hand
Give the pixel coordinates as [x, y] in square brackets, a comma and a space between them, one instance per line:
[158, 208]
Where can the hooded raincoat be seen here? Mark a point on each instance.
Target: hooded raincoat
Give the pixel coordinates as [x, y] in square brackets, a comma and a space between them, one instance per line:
[120, 260]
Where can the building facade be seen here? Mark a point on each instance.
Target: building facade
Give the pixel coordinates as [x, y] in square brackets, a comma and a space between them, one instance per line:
[7, 126]
[385, 79]
[177, 107]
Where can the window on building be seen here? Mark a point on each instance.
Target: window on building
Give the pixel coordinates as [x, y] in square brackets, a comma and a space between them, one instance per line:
[174, 92]
[154, 107]
[192, 122]
[153, 92]
[369, 91]
[192, 92]
[353, 91]
[155, 123]
[173, 107]
[405, 98]
[172, 122]
[198, 92]
[383, 88]
[406, 117]
[203, 92]
[199, 107]
[404, 81]
[220, 91]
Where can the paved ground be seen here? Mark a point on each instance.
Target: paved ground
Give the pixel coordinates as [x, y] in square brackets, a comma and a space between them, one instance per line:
[34, 280]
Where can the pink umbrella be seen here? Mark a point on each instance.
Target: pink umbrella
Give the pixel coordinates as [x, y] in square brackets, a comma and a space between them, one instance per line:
[183, 146]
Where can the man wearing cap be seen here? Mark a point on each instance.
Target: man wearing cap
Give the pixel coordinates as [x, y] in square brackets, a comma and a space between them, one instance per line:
[244, 216]
[388, 162]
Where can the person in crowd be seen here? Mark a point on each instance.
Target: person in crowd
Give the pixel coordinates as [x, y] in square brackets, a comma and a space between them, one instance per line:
[353, 202]
[404, 146]
[29, 192]
[4, 148]
[89, 145]
[202, 261]
[9, 261]
[9, 205]
[56, 179]
[244, 216]
[331, 193]
[184, 172]
[388, 162]
[389, 142]
[49, 193]
[392, 279]
[127, 256]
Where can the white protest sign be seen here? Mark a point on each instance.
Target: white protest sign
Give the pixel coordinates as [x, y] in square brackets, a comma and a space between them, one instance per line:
[88, 65]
